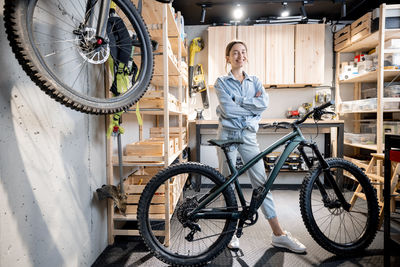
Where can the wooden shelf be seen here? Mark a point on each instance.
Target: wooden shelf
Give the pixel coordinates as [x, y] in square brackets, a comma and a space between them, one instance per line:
[357, 162]
[370, 41]
[372, 76]
[152, 15]
[278, 86]
[159, 69]
[158, 80]
[152, 103]
[370, 147]
[146, 160]
[385, 100]
[144, 153]
[370, 111]
[133, 217]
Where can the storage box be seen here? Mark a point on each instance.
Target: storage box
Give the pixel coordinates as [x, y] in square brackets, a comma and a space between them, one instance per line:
[346, 106]
[364, 66]
[342, 38]
[392, 91]
[389, 127]
[390, 23]
[149, 147]
[135, 184]
[392, 44]
[368, 93]
[364, 138]
[155, 99]
[361, 28]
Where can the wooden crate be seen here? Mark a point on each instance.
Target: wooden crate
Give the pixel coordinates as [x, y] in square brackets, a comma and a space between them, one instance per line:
[149, 147]
[361, 27]
[342, 38]
[135, 184]
[155, 99]
[173, 132]
[171, 144]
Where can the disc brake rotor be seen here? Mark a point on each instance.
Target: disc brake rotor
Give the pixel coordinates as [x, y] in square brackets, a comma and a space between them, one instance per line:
[87, 48]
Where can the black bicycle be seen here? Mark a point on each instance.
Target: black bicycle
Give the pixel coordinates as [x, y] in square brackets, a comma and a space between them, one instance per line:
[202, 221]
[66, 48]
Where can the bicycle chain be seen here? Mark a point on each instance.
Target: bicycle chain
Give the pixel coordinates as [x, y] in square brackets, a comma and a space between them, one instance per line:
[225, 232]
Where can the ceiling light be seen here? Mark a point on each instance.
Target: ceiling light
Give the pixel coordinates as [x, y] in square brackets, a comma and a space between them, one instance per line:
[285, 11]
[203, 13]
[237, 12]
[343, 10]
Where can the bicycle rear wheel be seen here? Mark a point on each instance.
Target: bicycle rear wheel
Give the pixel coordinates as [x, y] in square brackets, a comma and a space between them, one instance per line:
[211, 235]
[335, 229]
[60, 53]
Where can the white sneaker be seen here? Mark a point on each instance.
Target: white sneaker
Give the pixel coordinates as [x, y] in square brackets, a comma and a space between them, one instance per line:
[289, 242]
[234, 244]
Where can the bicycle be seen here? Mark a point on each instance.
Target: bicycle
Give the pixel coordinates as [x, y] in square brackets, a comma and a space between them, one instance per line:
[65, 48]
[204, 221]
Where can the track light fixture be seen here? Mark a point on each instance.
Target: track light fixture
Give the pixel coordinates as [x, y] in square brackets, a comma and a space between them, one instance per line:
[285, 11]
[203, 6]
[343, 11]
[237, 12]
[203, 13]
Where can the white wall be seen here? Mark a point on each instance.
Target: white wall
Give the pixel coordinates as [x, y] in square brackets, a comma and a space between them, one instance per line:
[52, 159]
[280, 101]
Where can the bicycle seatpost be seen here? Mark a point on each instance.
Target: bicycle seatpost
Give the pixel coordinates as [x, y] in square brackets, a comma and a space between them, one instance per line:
[230, 164]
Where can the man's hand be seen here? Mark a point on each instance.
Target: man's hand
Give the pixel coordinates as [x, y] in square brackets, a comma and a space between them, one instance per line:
[258, 94]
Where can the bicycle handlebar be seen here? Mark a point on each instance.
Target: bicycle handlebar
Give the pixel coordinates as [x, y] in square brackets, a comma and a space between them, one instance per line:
[285, 125]
[315, 110]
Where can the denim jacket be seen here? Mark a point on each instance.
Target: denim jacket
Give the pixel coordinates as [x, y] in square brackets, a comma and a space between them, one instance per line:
[238, 107]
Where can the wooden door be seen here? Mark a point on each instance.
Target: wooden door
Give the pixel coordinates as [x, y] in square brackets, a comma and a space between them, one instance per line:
[279, 54]
[218, 38]
[309, 54]
[254, 38]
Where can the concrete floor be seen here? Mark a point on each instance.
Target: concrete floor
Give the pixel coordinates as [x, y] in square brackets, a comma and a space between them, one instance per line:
[256, 249]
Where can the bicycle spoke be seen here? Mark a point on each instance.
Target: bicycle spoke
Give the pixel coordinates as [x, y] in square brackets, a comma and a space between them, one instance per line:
[56, 17]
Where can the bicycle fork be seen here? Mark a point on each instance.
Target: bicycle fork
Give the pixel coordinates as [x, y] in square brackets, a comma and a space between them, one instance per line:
[328, 177]
[101, 29]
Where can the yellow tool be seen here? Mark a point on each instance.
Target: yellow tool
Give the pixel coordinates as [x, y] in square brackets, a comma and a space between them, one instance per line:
[197, 83]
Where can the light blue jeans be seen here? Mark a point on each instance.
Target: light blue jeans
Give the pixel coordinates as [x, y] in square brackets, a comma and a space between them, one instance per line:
[248, 150]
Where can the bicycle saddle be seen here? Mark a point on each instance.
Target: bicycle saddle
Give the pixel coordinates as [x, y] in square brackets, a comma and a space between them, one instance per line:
[225, 143]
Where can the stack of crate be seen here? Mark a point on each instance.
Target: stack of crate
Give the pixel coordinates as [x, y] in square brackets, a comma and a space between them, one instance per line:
[174, 132]
[352, 33]
[135, 184]
[342, 38]
[150, 147]
[155, 99]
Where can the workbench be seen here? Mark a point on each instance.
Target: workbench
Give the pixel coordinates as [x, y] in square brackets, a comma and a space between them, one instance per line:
[323, 127]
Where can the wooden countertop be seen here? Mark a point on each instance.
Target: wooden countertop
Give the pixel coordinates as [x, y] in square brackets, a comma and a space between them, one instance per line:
[265, 121]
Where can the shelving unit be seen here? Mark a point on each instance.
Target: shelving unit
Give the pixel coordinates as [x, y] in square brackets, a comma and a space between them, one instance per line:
[168, 71]
[380, 75]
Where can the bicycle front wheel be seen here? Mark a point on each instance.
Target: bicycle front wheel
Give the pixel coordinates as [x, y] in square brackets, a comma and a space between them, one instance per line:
[191, 241]
[331, 226]
[56, 44]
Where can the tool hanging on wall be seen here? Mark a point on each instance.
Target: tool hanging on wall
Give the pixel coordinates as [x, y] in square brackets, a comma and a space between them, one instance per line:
[197, 82]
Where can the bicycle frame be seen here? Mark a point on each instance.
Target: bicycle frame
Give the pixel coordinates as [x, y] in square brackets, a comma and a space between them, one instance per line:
[292, 140]
[102, 16]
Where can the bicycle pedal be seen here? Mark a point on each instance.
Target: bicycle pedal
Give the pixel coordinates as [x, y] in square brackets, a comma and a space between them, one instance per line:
[256, 199]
